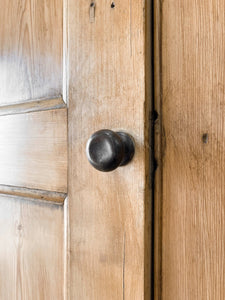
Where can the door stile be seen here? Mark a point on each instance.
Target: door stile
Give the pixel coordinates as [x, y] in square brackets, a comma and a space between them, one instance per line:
[109, 87]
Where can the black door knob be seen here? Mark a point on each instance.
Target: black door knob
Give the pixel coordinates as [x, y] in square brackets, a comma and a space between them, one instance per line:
[106, 150]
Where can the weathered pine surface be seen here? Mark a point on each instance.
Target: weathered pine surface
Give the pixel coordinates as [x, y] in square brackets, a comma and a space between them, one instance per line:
[33, 150]
[190, 199]
[108, 212]
[30, 50]
[96, 243]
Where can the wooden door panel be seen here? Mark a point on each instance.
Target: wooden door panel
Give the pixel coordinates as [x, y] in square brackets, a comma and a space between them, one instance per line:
[192, 237]
[96, 58]
[30, 49]
[31, 251]
[33, 150]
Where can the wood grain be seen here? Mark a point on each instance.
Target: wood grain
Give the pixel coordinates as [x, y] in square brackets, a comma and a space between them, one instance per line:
[108, 212]
[193, 169]
[33, 150]
[31, 106]
[30, 50]
[33, 194]
[31, 252]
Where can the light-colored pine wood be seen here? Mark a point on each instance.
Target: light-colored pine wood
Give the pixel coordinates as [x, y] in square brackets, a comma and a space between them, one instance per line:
[33, 194]
[96, 244]
[31, 251]
[192, 38]
[31, 106]
[33, 150]
[30, 50]
[108, 212]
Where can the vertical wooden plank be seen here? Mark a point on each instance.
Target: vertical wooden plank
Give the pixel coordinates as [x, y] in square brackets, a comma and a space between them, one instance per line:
[109, 212]
[193, 182]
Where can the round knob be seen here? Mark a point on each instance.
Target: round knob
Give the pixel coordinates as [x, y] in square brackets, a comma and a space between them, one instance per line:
[106, 150]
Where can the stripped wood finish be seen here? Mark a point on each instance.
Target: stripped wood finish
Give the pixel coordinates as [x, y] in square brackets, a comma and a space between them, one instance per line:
[30, 50]
[31, 106]
[191, 57]
[95, 244]
[33, 150]
[108, 212]
[31, 252]
[43, 195]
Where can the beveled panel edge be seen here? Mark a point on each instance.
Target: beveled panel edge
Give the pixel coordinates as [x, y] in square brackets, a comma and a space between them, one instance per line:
[33, 194]
[32, 106]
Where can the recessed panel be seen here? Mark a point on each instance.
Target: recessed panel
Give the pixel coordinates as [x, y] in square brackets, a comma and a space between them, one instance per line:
[33, 150]
[30, 49]
[31, 251]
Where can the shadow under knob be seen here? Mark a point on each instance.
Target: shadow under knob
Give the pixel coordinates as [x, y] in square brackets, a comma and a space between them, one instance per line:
[106, 150]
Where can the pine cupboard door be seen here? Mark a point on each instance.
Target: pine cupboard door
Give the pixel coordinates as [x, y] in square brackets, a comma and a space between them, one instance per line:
[190, 143]
[67, 69]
